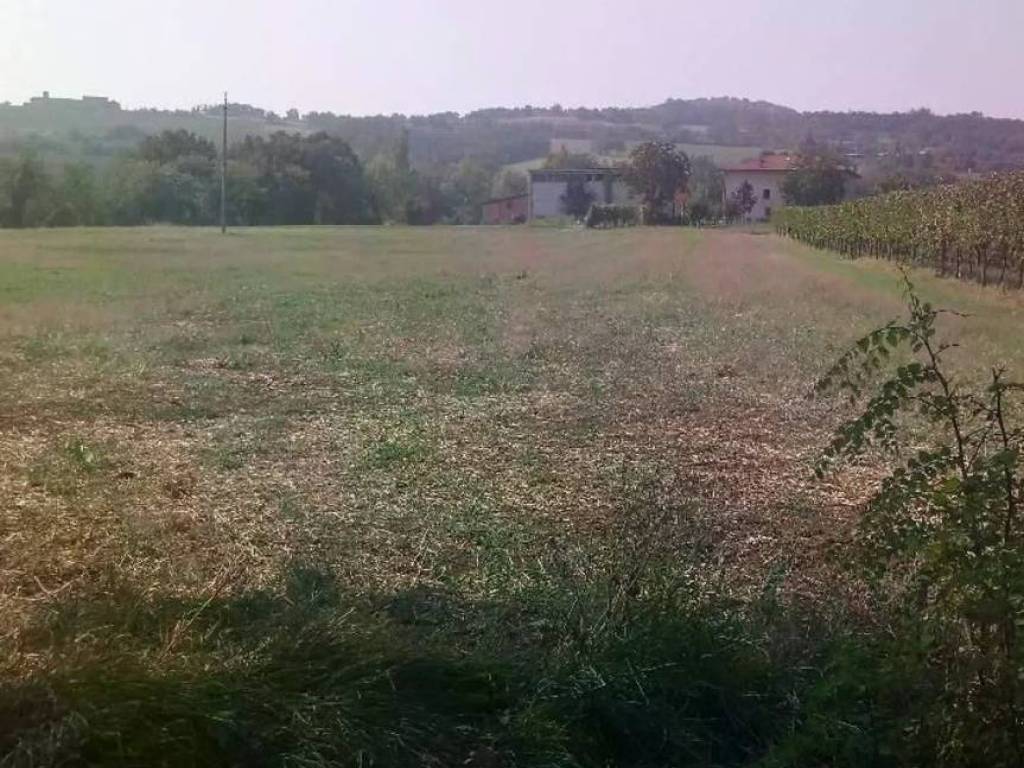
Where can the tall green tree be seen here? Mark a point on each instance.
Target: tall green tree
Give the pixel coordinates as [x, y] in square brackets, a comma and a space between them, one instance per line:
[742, 200]
[27, 192]
[469, 185]
[510, 183]
[388, 199]
[171, 146]
[819, 177]
[341, 193]
[78, 196]
[304, 180]
[127, 184]
[430, 202]
[393, 182]
[657, 171]
[706, 186]
[577, 199]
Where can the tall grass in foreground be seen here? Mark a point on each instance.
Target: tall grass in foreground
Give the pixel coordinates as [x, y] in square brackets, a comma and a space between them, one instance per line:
[617, 657]
[623, 651]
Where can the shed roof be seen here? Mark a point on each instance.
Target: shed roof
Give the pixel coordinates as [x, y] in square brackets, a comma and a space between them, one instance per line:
[575, 171]
[504, 199]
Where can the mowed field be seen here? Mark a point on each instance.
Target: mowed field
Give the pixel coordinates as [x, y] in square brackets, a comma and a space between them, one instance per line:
[253, 481]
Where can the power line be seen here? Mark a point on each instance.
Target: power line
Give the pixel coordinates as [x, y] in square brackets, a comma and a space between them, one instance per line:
[224, 171]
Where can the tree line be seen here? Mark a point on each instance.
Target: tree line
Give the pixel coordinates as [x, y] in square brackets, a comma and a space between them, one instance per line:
[174, 177]
[284, 178]
[290, 178]
[959, 143]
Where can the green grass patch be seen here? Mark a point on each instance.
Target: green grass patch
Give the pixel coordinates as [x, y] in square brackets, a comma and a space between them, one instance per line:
[397, 451]
[65, 468]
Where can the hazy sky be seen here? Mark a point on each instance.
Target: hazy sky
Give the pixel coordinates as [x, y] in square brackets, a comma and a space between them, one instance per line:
[414, 56]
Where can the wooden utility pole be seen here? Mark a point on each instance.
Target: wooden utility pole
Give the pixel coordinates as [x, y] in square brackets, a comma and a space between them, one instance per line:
[224, 171]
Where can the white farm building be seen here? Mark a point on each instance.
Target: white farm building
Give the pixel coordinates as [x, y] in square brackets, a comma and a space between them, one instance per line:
[765, 175]
[549, 186]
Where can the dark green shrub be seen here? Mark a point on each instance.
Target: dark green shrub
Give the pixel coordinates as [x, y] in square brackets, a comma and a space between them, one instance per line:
[613, 216]
[942, 538]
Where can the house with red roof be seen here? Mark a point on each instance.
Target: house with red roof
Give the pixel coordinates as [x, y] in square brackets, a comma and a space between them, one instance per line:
[765, 175]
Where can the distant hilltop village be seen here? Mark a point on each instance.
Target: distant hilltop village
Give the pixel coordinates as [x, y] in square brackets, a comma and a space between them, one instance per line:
[100, 102]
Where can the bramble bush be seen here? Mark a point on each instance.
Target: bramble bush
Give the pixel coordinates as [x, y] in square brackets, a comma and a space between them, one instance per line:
[941, 539]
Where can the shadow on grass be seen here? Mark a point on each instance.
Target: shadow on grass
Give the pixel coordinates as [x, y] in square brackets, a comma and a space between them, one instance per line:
[309, 675]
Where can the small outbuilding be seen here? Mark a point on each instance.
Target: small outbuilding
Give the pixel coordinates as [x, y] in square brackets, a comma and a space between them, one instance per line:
[506, 210]
[549, 187]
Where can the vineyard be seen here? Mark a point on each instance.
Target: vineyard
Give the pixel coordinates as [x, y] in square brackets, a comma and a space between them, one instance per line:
[972, 230]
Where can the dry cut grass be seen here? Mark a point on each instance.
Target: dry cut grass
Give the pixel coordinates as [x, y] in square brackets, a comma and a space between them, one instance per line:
[199, 433]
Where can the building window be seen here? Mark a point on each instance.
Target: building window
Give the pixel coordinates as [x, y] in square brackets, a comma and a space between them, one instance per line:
[767, 211]
[767, 194]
